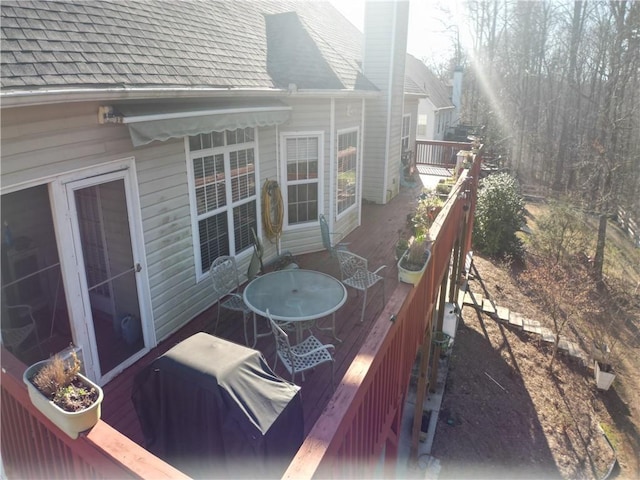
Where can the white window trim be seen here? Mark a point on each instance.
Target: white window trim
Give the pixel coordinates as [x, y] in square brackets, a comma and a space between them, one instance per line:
[284, 183]
[193, 209]
[408, 135]
[357, 170]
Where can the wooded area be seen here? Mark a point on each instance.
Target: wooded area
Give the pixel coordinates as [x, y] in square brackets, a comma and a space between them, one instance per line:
[556, 86]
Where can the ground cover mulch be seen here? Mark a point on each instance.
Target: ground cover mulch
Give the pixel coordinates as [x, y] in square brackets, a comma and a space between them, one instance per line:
[504, 415]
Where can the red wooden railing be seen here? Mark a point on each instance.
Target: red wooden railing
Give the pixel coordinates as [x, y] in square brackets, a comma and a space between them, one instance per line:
[32, 447]
[362, 419]
[432, 152]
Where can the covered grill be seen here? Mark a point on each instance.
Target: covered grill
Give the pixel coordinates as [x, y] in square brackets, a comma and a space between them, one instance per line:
[213, 408]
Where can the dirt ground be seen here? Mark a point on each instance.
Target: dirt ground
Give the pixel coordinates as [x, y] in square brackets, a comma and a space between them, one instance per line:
[505, 416]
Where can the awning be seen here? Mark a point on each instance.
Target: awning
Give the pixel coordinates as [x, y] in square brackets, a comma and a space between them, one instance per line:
[161, 121]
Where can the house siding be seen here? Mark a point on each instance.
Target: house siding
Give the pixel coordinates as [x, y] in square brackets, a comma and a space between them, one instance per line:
[39, 143]
[42, 142]
[384, 52]
[314, 115]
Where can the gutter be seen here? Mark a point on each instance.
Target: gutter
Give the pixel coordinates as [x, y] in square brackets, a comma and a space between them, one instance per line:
[198, 113]
[25, 98]
[444, 108]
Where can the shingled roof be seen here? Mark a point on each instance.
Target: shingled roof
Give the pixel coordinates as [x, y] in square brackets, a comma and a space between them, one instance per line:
[106, 44]
[419, 74]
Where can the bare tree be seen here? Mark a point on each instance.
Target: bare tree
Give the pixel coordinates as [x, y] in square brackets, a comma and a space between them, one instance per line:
[615, 117]
[563, 293]
[560, 81]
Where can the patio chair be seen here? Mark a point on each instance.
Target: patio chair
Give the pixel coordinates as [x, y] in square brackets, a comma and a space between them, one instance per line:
[282, 261]
[355, 273]
[14, 337]
[326, 238]
[304, 356]
[226, 287]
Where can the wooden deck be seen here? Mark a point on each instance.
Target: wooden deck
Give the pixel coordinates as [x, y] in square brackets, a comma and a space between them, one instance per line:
[375, 239]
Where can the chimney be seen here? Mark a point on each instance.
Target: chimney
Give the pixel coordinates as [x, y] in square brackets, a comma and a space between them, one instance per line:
[385, 50]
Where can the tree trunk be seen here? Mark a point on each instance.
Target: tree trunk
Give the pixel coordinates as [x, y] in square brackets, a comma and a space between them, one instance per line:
[598, 261]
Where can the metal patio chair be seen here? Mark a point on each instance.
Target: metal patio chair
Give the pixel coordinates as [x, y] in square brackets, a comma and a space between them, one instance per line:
[355, 273]
[14, 337]
[226, 287]
[282, 261]
[304, 356]
[326, 238]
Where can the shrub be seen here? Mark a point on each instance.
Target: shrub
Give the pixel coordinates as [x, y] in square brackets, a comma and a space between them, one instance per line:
[499, 215]
[561, 234]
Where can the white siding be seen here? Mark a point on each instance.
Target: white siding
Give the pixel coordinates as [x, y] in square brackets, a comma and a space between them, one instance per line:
[41, 142]
[315, 115]
[384, 58]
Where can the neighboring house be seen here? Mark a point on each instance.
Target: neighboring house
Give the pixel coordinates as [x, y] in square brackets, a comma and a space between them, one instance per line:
[137, 137]
[436, 112]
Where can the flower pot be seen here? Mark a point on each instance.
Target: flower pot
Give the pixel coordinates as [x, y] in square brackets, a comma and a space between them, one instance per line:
[604, 375]
[411, 276]
[71, 423]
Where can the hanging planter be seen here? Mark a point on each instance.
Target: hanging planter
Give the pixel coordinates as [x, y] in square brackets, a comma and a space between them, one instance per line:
[72, 402]
[604, 375]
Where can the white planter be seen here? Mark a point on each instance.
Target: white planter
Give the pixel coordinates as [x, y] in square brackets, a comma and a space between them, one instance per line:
[71, 423]
[603, 379]
[412, 276]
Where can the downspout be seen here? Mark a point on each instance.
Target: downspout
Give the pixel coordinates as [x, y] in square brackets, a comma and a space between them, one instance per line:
[360, 162]
[389, 100]
[332, 158]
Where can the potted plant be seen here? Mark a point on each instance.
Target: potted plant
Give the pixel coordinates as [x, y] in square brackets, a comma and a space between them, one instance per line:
[603, 343]
[65, 396]
[425, 214]
[414, 261]
[605, 375]
[602, 362]
[444, 187]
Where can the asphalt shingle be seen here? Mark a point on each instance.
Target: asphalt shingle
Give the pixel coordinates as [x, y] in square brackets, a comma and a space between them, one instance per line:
[156, 42]
[419, 75]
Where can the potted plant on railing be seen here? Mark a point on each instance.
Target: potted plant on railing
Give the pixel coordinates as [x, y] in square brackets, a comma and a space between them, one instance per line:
[413, 262]
[444, 187]
[426, 212]
[65, 396]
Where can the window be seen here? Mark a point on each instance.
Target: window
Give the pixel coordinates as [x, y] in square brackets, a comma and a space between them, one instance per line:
[302, 156]
[223, 193]
[406, 130]
[422, 126]
[347, 159]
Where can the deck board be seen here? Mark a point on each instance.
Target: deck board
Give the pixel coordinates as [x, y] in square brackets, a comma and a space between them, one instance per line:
[375, 239]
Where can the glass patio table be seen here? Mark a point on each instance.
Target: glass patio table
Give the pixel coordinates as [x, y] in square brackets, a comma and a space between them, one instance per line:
[297, 296]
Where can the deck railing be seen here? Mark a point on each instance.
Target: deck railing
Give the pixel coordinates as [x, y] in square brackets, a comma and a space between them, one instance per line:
[32, 447]
[361, 422]
[432, 152]
[362, 419]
